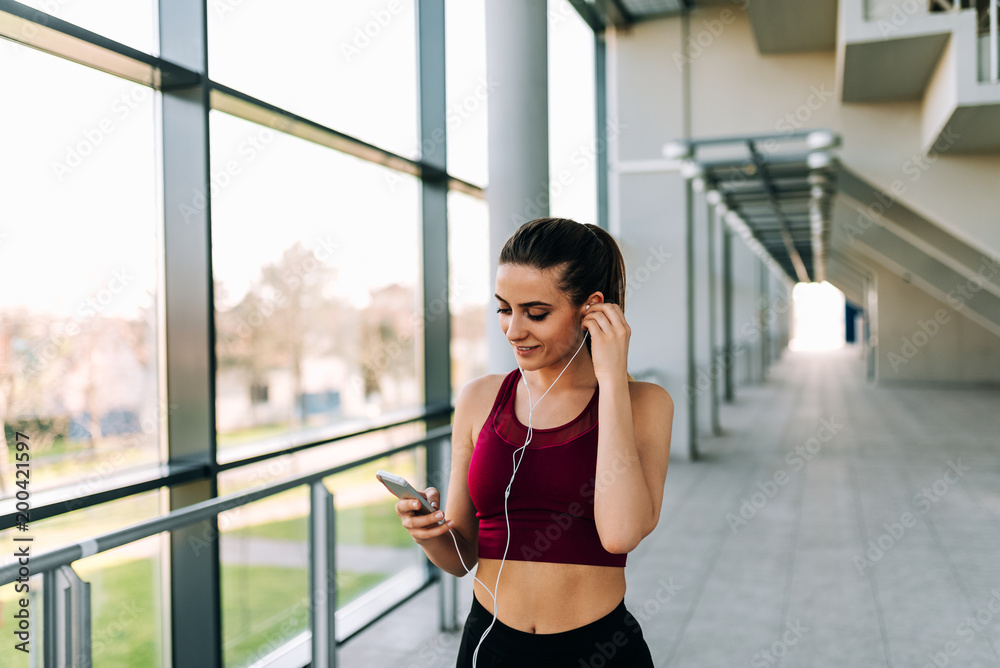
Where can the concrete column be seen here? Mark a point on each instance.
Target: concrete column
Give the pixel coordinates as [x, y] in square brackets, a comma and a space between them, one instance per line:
[518, 134]
[647, 211]
[702, 281]
[746, 336]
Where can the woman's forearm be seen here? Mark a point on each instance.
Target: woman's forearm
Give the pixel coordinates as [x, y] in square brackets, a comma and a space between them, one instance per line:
[441, 551]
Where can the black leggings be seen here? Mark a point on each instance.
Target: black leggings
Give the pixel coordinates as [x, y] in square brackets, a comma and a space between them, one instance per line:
[614, 640]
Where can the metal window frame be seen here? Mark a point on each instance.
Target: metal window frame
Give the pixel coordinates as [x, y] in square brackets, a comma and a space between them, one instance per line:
[187, 372]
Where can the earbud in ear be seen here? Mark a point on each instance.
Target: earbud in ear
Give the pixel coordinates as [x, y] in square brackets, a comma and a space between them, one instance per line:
[588, 307]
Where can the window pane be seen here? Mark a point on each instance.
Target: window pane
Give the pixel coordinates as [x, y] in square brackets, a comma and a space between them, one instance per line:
[131, 22]
[127, 623]
[373, 548]
[348, 65]
[264, 553]
[572, 152]
[12, 599]
[467, 89]
[318, 294]
[127, 603]
[469, 255]
[78, 259]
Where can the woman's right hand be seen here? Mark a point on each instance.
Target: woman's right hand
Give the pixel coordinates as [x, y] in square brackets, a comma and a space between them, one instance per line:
[423, 527]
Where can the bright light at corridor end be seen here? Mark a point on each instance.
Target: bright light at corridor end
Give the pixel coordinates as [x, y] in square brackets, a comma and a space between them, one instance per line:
[818, 321]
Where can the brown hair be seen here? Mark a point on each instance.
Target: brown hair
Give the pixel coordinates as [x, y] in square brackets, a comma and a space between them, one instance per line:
[587, 254]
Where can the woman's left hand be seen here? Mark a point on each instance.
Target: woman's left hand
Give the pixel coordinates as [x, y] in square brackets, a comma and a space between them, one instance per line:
[609, 335]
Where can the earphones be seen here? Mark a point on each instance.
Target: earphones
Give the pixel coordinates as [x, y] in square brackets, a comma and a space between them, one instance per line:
[506, 494]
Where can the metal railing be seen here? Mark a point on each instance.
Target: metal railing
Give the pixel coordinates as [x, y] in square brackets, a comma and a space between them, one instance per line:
[66, 607]
[992, 16]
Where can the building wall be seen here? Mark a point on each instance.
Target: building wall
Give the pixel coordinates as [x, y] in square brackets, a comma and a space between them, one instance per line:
[735, 90]
[923, 339]
[732, 90]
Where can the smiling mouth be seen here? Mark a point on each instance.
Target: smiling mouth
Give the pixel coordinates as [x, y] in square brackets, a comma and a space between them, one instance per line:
[525, 348]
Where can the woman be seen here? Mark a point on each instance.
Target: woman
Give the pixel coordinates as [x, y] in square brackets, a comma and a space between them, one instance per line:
[545, 502]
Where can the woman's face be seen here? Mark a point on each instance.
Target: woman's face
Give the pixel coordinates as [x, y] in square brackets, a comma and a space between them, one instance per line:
[535, 314]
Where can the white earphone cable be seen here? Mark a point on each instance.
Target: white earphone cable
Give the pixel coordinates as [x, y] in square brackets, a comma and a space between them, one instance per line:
[517, 464]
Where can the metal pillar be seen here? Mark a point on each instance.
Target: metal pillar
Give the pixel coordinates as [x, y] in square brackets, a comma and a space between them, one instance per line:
[196, 624]
[322, 576]
[516, 62]
[434, 214]
[713, 349]
[727, 311]
[601, 101]
[692, 379]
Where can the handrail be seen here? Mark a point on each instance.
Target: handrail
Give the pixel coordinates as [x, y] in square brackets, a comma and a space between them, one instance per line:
[195, 513]
[994, 41]
[127, 484]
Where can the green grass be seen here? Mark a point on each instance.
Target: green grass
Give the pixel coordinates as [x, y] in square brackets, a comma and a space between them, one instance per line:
[251, 434]
[373, 524]
[262, 606]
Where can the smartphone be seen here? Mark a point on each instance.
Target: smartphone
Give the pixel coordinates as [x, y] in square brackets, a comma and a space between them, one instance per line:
[404, 490]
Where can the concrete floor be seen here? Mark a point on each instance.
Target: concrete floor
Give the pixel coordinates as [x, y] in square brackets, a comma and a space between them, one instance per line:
[883, 549]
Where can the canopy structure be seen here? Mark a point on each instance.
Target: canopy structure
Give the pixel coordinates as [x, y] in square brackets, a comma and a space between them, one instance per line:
[775, 191]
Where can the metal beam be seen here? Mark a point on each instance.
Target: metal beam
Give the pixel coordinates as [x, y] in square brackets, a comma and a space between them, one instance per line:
[434, 220]
[195, 608]
[614, 13]
[793, 252]
[37, 29]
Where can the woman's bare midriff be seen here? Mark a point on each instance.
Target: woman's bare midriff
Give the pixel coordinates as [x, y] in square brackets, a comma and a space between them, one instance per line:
[543, 597]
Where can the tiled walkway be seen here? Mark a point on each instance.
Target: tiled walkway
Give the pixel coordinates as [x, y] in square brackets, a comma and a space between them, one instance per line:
[883, 549]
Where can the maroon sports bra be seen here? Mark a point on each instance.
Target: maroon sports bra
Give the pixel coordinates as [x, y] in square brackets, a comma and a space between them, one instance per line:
[551, 504]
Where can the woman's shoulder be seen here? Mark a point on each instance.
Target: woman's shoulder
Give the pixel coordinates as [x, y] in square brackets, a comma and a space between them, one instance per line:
[480, 391]
[649, 396]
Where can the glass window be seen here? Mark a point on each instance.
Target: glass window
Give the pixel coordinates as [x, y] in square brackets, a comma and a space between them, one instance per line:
[131, 22]
[126, 596]
[127, 603]
[572, 124]
[264, 571]
[78, 259]
[469, 271]
[468, 88]
[350, 66]
[318, 295]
